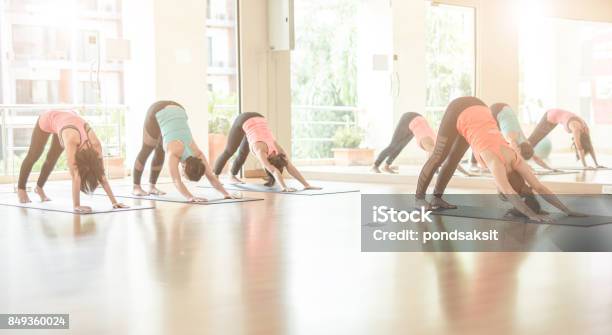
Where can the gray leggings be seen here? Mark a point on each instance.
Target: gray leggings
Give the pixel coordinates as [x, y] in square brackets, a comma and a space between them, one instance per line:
[151, 142]
[236, 141]
[401, 137]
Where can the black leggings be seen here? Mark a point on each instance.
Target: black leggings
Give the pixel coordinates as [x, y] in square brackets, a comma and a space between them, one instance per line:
[37, 146]
[151, 141]
[541, 130]
[401, 137]
[450, 146]
[236, 141]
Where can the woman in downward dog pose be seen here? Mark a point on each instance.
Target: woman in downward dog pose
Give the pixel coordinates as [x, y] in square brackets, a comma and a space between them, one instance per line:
[167, 132]
[469, 122]
[574, 125]
[69, 132]
[410, 125]
[510, 127]
[250, 132]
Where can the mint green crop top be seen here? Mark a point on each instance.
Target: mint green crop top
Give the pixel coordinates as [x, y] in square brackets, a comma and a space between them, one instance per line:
[509, 123]
[174, 127]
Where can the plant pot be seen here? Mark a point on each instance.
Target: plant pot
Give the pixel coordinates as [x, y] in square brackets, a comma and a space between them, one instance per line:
[356, 156]
[115, 167]
[216, 145]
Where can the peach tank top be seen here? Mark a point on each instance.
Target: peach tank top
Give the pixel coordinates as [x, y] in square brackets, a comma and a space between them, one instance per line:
[421, 129]
[56, 121]
[562, 117]
[256, 130]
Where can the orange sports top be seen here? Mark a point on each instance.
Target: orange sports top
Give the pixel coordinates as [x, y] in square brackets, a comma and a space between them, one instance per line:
[477, 126]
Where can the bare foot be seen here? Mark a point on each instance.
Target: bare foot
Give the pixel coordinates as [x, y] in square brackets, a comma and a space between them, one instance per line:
[421, 203]
[394, 167]
[440, 203]
[41, 194]
[388, 169]
[235, 180]
[153, 190]
[23, 196]
[139, 191]
[375, 169]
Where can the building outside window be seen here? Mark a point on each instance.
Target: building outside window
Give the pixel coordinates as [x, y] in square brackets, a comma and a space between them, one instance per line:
[53, 52]
[222, 76]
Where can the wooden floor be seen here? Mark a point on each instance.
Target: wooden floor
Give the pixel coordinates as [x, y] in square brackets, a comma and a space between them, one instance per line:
[286, 265]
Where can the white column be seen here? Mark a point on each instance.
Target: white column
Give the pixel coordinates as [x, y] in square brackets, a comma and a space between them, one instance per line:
[258, 67]
[375, 40]
[279, 97]
[409, 47]
[180, 62]
[139, 71]
[497, 52]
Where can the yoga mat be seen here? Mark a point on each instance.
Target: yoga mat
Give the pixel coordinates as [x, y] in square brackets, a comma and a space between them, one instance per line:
[65, 205]
[553, 173]
[537, 173]
[584, 169]
[276, 189]
[499, 214]
[173, 196]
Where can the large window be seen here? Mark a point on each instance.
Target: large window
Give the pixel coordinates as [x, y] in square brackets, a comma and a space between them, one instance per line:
[450, 56]
[32, 42]
[339, 96]
[567, 64]
[54, 52]
[221, 31]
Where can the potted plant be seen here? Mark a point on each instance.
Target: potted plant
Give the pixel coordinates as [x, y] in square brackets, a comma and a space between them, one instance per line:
[346, 148]
[221, 109]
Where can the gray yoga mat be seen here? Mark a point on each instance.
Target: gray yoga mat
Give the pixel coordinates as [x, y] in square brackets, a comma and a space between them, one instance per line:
[537, 173]
[553, 173]
[65, 205]
[276, 189]
[584, 169]
[499, 214]
[173, 196]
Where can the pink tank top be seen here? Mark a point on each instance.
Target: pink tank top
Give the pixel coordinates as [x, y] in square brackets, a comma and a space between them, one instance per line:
[55, 122]
[421, 130]
[477, 125]
[256, 130]
[562, 117]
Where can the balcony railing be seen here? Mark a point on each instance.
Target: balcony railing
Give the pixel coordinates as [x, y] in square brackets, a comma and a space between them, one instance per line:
[314, 128]
[17, 122]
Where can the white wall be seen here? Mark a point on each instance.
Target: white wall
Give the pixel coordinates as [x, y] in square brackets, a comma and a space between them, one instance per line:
[591, 10]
